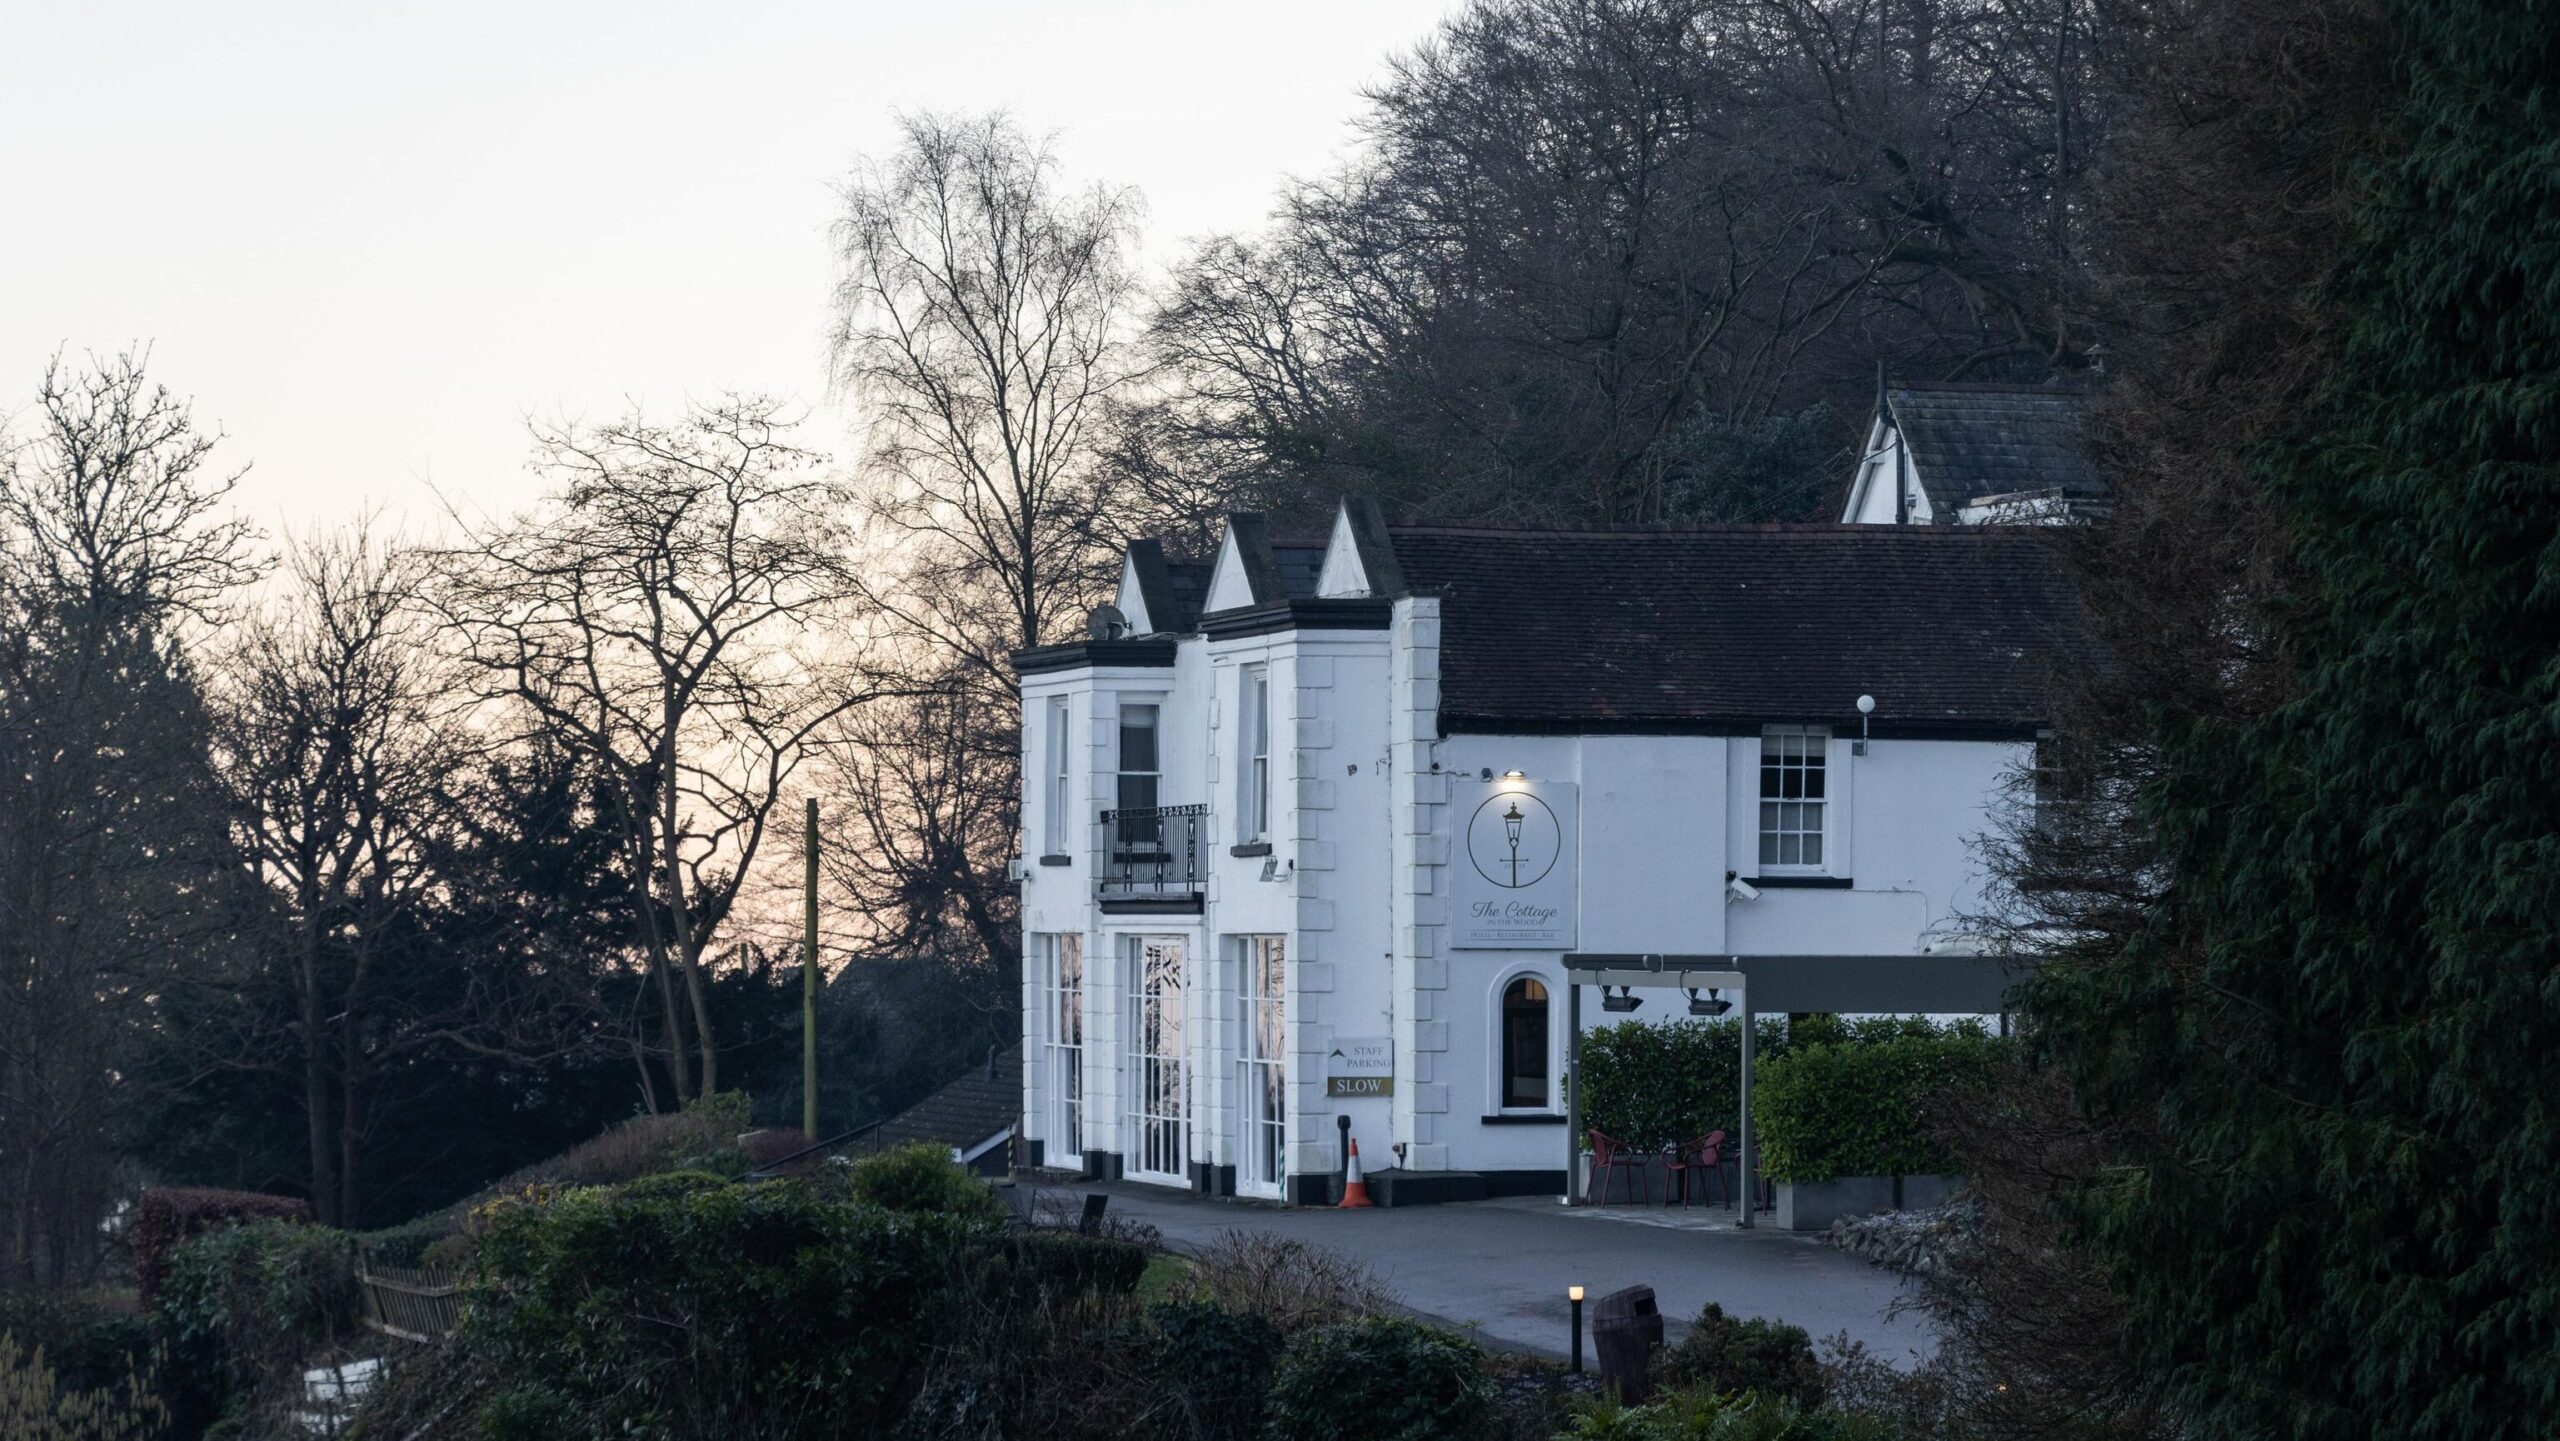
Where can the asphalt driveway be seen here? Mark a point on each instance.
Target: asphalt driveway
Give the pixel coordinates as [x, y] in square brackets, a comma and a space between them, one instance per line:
[1502, 1266]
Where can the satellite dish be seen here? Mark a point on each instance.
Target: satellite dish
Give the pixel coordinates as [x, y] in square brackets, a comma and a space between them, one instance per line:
[1107, 623]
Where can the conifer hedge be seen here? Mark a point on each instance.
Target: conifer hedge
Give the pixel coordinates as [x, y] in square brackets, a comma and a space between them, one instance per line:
[2333, 1050]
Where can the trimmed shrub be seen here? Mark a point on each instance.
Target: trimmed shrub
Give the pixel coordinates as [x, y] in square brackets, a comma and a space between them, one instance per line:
[701, 1137]
[241, 1307]
[1652, 1084]
[168, 1215]
[1850, 1109]
[1379, 1379]
[1214, 1366]
[407, 1244]
[1699, 1416]
[921, 1177]
[763, 1310]
[1724, 1354]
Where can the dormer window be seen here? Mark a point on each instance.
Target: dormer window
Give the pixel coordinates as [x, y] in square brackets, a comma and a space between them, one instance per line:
[1794, 803]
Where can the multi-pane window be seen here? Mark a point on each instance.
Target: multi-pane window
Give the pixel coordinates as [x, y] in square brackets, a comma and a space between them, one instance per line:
[1793, 802]
[1139, 776]
[1061, 771]
[1524, 1045]
[1266, 1068]
[1065, 992]
[1253, 772]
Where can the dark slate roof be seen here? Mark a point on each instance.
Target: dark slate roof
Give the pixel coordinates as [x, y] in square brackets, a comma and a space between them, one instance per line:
[983, 1103]
[1969, 441]
[1188, 583]
[1300, 561]
[1951, 628]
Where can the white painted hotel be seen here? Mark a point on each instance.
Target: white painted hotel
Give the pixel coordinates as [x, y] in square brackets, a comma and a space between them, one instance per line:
[1309, 829]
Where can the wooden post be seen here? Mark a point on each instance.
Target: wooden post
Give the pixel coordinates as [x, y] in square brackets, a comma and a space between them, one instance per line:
[809, 983]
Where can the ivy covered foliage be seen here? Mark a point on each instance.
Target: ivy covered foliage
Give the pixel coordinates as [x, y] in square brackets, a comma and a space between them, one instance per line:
[2332, 1051]
[1845, 1109]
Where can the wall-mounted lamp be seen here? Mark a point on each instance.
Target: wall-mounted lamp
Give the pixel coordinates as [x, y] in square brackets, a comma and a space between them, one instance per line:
[1624, 1000]
[1866, 708]
[1712, 1003]
[1515, 775]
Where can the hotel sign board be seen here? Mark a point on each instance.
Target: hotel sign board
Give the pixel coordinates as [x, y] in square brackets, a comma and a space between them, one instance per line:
[1517, 880]
[1361, 1066]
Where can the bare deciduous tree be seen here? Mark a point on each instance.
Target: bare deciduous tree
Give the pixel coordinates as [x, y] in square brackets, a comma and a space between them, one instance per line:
[337, 742]
[978, 321]
[668, 613]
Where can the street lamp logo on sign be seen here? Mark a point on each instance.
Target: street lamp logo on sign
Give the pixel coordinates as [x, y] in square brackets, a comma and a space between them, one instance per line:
[1513, 840]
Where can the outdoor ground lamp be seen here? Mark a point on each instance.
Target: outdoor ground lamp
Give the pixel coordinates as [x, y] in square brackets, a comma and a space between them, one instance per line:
[1574, 1294]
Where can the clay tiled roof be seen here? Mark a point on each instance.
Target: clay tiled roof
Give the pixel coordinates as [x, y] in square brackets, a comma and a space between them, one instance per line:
[1952, 629]
[982, 1104]
[1971, 441]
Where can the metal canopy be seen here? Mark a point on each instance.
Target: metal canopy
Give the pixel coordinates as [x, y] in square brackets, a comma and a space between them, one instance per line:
[1897, 984]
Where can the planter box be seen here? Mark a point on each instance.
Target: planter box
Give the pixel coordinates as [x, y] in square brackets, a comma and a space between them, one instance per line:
[1814, 1205]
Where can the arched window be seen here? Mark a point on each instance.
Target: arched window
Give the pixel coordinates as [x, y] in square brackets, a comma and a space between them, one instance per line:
[1524, 1046]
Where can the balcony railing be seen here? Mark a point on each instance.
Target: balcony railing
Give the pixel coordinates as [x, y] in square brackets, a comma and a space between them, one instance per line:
[1149, 851]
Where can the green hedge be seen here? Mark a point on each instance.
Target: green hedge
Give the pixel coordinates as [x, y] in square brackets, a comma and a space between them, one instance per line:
[1655, 1083]
[1847, 1108]
[775, 1310]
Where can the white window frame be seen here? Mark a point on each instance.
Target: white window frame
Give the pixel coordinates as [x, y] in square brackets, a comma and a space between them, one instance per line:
[1064, 987]
[1253, 754]
[1262, 1065]
[1498, 1074]
[1805, 753]
[1061, 778]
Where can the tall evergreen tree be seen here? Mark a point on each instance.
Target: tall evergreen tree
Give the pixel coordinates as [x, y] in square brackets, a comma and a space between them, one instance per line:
[2333, 1044]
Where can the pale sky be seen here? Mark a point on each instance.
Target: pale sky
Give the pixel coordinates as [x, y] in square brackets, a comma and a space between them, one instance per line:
[370, 239]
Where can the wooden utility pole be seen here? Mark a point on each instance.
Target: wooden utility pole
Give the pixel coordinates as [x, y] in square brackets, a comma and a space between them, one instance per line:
[809, 982]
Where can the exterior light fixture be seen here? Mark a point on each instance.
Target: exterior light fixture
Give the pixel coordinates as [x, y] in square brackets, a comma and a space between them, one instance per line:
[1866, 708]
[1515, 775]
[1511, 820]
[1626, 999]
[1712, 1003]
[1574, 1294]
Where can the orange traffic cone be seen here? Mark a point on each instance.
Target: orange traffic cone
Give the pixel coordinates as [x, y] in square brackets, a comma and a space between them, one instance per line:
[1355, 1190]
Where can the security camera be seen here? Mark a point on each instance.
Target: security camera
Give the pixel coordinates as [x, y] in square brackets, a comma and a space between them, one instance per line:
[1738, 889]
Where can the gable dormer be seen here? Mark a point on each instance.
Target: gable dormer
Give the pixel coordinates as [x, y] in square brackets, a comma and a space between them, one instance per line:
[1245, 575]
[1358, 561]
[1159, 596]
[1975, 454]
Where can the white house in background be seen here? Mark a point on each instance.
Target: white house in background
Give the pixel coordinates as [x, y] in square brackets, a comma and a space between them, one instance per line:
[1969, 454]
[1309, 829]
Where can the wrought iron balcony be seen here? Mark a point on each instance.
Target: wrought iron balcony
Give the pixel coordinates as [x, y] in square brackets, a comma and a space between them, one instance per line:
[1149, 852]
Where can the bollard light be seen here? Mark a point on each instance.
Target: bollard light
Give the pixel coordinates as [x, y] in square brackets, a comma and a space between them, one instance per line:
[1574, 1294]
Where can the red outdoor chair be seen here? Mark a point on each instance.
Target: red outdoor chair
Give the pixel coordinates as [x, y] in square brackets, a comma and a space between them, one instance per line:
[1703, 1154]
[1609, 1155]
